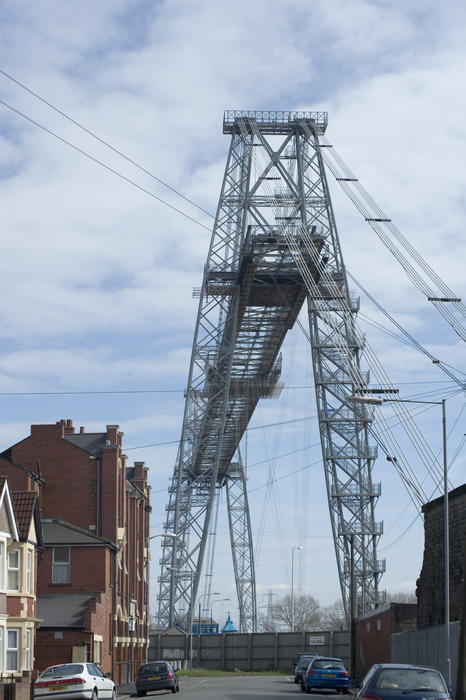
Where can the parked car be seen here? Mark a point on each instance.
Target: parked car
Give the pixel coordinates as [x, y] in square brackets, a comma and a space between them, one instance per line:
[76, 681]
[391, 681]
[301, 666]
[156, 675]
[325, 672]
[296, 656]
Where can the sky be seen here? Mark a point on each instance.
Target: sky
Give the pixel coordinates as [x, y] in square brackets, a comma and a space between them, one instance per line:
[97, 313]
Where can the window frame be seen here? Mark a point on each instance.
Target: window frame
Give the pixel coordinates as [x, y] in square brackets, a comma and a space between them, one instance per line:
[16, 570]
[61, 566]
[13, 649]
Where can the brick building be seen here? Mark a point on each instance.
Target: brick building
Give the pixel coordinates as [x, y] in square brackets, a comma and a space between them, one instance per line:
[373, 633]
[93, 578]
[430, 588]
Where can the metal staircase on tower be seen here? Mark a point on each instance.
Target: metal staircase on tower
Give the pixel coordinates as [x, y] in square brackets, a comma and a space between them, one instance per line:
[274, 246]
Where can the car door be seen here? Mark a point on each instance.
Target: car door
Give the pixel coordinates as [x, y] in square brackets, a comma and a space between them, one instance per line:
[103, 684]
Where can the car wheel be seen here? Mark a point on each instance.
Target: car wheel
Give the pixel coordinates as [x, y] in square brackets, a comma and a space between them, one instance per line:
[114, 694]
[94, 694]
[308, 689]
[178, 688]
[141, 693]
[173, 688]
[345, 691]
[303, 687]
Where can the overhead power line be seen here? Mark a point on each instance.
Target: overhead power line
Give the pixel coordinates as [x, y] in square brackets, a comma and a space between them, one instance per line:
[103, 165]
[102, 141]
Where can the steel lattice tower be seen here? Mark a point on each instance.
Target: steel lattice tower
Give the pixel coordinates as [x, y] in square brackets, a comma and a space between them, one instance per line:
[274, 244]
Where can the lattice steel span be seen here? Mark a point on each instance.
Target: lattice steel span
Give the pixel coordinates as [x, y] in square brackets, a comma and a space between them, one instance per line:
[274, 245]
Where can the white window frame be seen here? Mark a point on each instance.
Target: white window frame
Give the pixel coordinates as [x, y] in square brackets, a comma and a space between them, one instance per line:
[14, 570]
[61, 570]
[2, 565]
[2, 655]
[29, 572]
[12, 650]
[27, 660]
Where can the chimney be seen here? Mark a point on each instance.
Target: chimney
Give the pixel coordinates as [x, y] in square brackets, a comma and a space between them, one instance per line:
[81, 429]
[69, 429]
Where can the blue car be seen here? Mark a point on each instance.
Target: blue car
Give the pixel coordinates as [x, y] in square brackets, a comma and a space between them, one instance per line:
[325, 672]
[393, 681]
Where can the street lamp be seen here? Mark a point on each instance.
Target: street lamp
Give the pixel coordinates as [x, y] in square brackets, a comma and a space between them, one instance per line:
[190, 574]
[292, 586]
[222, 600]
[378, 401]
[163, 534]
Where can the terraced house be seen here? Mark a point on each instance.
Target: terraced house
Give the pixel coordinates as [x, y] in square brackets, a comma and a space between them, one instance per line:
[92, 594]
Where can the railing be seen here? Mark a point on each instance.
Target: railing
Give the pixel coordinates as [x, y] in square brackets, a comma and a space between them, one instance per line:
[276, 121]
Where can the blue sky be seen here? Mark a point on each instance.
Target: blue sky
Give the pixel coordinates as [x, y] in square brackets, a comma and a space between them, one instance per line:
[97, 276]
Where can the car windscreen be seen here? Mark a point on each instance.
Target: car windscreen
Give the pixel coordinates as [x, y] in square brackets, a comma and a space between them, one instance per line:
[304, 661]
[329, 664]
[409, 679]
[150, 669]
[65, 670]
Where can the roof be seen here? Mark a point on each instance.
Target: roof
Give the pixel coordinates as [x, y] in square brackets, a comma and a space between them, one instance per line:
[7, 512]
[23, 503]
[455, 493]
[90, 442]
[60, 532]
[26, 507]
[62, 610]
[229, 626]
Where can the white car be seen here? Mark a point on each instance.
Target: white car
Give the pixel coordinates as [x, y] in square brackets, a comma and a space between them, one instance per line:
[77, 681]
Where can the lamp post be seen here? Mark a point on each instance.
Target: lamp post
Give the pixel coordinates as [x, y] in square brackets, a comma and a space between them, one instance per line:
[377, 401]
[292, 587]
[222, 600]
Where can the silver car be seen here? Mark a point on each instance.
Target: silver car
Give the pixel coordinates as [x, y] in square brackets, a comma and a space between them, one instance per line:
[75, 681]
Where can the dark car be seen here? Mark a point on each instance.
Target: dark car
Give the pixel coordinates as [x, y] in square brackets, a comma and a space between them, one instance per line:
[156, 675]
[391, 681]
[301, 666]
[325, 672]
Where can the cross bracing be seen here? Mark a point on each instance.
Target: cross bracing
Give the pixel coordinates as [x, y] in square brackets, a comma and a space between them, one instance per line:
[274, 245]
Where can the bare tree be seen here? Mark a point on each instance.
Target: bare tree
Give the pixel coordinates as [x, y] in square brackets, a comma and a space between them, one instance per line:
[306, 613]
[333, 616]
[265, 624]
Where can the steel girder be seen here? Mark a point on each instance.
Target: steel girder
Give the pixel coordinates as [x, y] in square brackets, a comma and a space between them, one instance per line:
[274, 244]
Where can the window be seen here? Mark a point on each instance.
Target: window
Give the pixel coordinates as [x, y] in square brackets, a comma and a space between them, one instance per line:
[13, 570]
[27, 660]
[2, 662]
[29, 572]
[61, 565]
[378, 625]
[12, 650]
[2, 565]
[368, 627]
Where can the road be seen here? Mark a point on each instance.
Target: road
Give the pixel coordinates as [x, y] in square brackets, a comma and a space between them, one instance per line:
[238, 688]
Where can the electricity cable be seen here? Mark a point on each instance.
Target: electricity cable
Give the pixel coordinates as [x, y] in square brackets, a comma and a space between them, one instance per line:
[105, 143]
[104, 165]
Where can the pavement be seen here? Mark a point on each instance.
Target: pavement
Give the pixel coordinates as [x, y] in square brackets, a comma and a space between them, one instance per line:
[126, 689]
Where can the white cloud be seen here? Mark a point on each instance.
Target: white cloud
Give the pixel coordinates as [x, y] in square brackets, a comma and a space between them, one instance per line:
[97, 277]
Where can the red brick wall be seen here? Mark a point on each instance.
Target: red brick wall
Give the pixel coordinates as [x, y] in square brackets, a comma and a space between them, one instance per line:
[56, 651]
[90, 571]
[14, 606]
